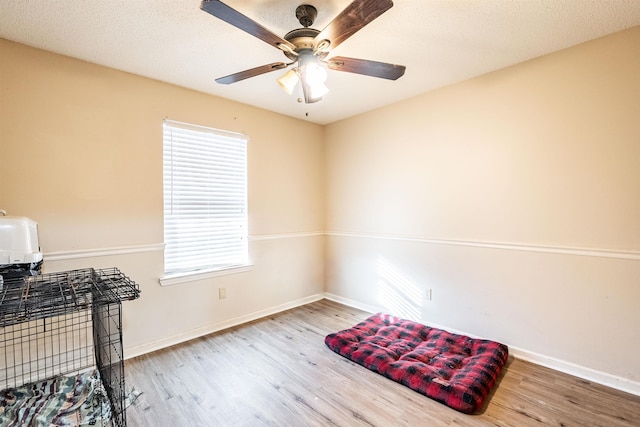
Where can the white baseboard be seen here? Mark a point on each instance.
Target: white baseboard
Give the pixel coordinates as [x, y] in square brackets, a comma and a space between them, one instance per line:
[205, 330]
[599, 377]
[603, 378]
[353, 303]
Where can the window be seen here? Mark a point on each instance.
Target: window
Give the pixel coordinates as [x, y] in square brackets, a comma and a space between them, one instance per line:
[205, 199]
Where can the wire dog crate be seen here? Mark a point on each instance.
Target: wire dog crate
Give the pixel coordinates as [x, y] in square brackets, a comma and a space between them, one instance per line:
[67, 322]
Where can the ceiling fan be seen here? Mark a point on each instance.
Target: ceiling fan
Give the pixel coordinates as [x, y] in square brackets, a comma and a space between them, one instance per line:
[308, 48]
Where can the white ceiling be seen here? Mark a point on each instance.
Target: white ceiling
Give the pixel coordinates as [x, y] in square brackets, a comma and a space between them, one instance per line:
[440, 42]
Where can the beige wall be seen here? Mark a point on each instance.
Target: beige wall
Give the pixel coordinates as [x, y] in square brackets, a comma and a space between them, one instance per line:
[514, 196]
[81, 153]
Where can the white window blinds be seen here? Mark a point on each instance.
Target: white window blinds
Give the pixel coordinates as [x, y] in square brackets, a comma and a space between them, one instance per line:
[205, 198]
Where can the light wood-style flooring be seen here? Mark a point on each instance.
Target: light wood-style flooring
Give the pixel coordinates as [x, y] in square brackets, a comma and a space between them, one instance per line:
[277, 371]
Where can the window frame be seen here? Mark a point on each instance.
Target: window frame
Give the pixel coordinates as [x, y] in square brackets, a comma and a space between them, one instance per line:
[185, 138]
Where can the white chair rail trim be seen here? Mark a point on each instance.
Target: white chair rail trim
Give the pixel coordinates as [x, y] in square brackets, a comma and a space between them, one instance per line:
[593, 252]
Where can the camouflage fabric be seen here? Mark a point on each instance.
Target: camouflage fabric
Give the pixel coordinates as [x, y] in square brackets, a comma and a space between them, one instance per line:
[76, 400]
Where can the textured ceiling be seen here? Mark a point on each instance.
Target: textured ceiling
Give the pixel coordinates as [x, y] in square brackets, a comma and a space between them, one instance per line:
[440, 41]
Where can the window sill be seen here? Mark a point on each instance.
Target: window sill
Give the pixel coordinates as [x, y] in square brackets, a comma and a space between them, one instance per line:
[175, 279]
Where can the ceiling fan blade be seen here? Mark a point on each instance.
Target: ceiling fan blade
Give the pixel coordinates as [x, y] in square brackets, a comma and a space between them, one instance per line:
[382, 70]
[232, 78]
[244, 23]
[353, 18]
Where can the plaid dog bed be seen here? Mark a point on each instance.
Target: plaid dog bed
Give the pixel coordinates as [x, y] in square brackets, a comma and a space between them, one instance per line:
[453, 369]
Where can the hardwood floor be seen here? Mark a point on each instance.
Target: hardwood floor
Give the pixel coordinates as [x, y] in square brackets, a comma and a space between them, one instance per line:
[277, 371]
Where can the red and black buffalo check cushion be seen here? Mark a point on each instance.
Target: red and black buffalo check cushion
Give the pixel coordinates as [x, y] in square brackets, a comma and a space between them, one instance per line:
[453, 369]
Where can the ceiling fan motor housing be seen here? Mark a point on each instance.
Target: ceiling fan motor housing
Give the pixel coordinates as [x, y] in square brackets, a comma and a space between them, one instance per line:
[306, 14]
[303, 39]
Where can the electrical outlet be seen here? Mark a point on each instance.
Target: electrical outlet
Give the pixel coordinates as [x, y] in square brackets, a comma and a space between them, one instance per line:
[428, 294]
[222, 293]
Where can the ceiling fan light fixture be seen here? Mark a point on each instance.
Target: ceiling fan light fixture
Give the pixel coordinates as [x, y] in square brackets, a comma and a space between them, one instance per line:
[313, 77]
[316, 76]
[289, 80]
[318, 91]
